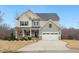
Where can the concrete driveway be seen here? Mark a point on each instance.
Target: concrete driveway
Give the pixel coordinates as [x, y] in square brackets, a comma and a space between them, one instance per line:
[46, 45]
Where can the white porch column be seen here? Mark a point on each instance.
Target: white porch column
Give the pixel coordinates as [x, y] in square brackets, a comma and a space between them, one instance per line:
[30, 33]
[15, 33]
[23, 33]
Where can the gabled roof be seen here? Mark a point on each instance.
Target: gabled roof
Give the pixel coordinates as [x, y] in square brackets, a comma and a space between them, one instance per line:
[47, 16]
[44, 16]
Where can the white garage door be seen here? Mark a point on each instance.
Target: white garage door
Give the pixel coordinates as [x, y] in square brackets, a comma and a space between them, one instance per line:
[50, 36]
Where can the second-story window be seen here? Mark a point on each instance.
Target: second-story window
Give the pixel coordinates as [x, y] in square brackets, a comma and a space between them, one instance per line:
[35, 22]
[26, 23]
[23, 23]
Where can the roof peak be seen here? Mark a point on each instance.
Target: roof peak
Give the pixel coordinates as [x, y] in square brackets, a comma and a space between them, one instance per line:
[29, 10]
[47, 13]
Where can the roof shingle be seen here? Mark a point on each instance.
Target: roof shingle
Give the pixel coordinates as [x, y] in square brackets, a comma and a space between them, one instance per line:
[47, 16]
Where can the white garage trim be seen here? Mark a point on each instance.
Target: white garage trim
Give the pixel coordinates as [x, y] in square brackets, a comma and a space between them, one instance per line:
[50, 35]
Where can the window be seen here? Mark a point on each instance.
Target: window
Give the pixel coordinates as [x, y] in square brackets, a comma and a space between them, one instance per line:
[50, 25]
[23, 23]
[27, 32]
[26, 23]
[35, 22]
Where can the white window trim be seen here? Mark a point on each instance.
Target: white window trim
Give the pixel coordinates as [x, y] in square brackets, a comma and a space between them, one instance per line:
[35, 23]
[25, 23]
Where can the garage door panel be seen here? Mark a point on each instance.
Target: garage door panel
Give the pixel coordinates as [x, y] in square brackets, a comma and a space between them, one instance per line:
[50, 36]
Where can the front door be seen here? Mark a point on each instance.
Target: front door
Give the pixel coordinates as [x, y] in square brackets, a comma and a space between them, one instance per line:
[26, 32]
[35, 33]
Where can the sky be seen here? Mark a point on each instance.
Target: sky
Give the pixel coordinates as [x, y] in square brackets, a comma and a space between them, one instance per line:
[69, 14]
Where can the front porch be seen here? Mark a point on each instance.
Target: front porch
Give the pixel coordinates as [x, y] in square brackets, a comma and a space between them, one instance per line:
[29, 32]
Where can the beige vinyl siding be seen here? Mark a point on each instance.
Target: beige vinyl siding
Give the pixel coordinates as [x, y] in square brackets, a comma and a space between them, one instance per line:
[46, 28]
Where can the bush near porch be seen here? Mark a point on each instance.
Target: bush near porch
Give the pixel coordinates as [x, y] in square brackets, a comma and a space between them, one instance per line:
[25, 38]
[18, 39]
[12, 38]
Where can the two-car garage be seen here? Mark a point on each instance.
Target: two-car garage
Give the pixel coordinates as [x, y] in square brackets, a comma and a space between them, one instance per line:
[50, 36]
[51, 31]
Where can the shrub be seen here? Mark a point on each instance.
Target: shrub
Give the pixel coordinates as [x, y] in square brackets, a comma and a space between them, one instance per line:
[16, 39]
[23, 38]
[26, 38]
[29, 38]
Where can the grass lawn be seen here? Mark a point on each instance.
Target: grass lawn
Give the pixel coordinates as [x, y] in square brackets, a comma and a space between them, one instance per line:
[72, 44]
[11, 46]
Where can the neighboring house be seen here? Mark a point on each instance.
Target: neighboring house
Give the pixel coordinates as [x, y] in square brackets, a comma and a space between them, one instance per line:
[42, 25]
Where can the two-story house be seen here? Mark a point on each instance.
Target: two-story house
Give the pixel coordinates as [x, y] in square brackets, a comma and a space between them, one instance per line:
[42, 25]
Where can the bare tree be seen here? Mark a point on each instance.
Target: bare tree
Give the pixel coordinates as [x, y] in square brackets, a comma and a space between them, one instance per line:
[70, 33]
[1, 16]
[4, 28]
